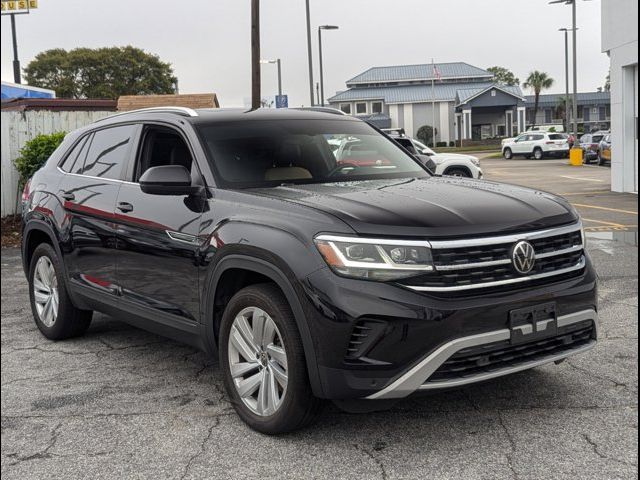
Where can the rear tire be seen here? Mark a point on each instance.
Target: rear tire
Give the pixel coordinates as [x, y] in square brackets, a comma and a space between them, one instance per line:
[293, 405]
[54, 313]
[601, 161]
[507, 154]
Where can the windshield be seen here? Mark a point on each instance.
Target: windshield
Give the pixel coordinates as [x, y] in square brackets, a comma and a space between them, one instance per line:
[269, 153]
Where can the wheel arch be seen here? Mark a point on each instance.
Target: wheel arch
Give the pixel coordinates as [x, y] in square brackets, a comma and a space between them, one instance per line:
[276, 274]
[463, 168]
[34, 233]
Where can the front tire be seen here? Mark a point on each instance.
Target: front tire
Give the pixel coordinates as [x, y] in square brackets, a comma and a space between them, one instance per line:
[507, 154]
[538, 154]
[54, 313]
[263, 362]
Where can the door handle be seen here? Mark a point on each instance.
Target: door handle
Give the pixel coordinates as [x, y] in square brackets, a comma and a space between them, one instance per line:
[68, 196]
[125, 207]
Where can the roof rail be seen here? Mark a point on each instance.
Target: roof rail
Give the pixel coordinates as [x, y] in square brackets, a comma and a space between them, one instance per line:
[331, 110]
[184, 111]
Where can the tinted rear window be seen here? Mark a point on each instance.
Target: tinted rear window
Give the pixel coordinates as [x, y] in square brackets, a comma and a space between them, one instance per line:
[557, 136]
[109, 152]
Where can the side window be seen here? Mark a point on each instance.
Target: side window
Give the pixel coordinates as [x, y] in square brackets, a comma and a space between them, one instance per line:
[162, 146]
[75, 160]
[108, 152]
[537, 138]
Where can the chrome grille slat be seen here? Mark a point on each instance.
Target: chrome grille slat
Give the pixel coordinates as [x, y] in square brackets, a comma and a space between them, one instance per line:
[486, 262]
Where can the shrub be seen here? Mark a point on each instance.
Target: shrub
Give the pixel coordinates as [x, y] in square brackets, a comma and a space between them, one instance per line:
[35, 153]
[452, 143]
[441, 144]
[552, 130]
[425, 134]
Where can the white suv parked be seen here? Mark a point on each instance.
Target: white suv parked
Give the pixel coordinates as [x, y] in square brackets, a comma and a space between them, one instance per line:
[537, 145]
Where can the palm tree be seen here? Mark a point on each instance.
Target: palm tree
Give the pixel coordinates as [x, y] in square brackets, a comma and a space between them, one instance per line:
[537, 81]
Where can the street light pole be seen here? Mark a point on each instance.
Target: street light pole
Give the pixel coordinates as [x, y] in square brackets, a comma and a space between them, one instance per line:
[256, 99]
[320, 29]
[279, 77]
[278, 64]
[567, 115]
[309, 54]
[575, 60]
[575, 68]
[16, 62]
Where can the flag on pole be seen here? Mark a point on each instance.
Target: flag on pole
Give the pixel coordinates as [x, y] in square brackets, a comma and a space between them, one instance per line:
[436, 73]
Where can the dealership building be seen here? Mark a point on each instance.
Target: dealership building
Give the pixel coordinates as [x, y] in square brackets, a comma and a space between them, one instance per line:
[620, 42]
[463, 101]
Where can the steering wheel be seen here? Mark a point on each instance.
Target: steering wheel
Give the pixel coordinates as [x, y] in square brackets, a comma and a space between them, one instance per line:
[341, 167]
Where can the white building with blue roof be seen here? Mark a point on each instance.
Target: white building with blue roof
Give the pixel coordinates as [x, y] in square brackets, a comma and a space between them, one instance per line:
[464, 100]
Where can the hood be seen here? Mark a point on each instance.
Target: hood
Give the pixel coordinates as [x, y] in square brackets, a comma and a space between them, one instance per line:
[431, 207]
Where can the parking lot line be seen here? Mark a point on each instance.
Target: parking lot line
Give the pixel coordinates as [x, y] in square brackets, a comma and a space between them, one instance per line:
[583, 179]
[619, 210]
[603, 222]
[595, 192]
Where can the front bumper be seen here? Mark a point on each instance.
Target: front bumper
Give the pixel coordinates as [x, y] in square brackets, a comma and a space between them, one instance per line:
[414, 333]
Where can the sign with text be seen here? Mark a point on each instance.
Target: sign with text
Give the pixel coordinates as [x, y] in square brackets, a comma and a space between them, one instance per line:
[17, 6]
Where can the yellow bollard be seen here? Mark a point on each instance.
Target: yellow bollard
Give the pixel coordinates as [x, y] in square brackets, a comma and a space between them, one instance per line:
[575, 157]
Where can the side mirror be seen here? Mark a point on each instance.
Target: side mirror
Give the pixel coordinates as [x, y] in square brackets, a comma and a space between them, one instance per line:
[426, 152]
[167, 180]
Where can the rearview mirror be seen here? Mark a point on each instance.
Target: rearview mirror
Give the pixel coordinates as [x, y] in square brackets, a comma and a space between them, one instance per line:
[167, 180]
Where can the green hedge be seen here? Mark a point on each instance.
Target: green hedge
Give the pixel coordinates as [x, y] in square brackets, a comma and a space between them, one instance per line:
[35, 153]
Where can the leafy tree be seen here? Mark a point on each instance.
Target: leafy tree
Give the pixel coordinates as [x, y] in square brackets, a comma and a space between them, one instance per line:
[100, 73]
[537, 81]
[607, 82]
[425, 134]
[504, 76]
[35, 153]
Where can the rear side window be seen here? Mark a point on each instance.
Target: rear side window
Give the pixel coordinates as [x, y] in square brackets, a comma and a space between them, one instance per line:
[557, 136]
[537, 137]
[75, 160]
[109, 152]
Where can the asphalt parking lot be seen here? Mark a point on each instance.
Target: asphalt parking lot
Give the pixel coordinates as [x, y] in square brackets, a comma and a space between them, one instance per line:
[123, 403]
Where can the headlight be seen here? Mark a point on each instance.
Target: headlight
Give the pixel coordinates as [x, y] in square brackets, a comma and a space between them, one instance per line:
[475, 161]
[375, 259]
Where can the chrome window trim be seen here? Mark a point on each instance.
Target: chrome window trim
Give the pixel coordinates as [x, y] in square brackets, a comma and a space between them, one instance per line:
[185, 111]
[416, 378]
[456, 288]
[512, 238]
[95, 178]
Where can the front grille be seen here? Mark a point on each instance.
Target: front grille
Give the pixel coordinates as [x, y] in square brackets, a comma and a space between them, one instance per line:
[486, 263]
[501, 355]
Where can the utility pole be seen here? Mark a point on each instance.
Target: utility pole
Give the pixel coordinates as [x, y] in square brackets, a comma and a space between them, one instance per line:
[309, 54]
[255, 55]
[575, 69]
[16, 62]
[318, 93]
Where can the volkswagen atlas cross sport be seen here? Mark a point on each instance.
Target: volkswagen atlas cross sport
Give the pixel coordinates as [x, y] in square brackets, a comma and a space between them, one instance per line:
[239, 233]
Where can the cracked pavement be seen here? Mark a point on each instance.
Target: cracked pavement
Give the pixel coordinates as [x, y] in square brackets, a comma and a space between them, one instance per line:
[123, 403]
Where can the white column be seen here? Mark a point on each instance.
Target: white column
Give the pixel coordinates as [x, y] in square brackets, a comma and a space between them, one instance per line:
[408, 119]
[466, 124]
[445, 136]
[457, 127]
[508, 115]
[522, 119]
[393, 114]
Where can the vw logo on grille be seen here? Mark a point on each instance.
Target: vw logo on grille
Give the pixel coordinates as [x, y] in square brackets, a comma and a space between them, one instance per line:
[523, 257]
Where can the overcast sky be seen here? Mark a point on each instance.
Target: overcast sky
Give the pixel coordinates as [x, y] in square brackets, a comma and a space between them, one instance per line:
[208, 42]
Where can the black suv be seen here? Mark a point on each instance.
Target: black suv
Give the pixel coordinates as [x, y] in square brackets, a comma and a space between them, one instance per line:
[239, 233]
